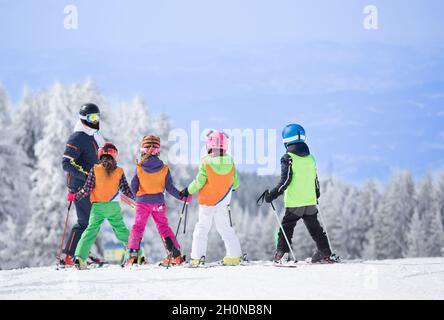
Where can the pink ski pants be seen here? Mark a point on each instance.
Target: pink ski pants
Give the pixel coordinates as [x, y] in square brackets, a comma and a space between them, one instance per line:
[143, 212]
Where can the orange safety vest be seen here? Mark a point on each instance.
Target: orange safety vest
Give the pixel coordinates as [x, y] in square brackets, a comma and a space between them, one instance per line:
[216, 187]
[107, 186]
[151, 183]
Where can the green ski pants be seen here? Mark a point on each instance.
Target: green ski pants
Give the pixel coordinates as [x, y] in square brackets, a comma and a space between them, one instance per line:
[99, 212]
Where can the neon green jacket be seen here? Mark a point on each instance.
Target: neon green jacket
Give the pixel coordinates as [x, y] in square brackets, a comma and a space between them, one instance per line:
[302, 190]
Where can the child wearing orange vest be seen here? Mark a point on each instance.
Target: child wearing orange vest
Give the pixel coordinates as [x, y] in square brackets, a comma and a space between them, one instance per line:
[103, 184]
[151, 180]
[215, 182]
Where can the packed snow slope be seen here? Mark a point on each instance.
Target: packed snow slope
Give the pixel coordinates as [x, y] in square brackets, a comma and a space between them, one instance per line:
[390, 279]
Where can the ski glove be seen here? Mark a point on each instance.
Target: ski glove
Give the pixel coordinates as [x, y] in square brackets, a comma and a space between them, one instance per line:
[71, 197]
[187, 199]
[184, 193]
[268, 197]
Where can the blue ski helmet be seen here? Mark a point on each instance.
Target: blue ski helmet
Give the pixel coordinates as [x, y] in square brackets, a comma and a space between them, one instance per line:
[293, 133]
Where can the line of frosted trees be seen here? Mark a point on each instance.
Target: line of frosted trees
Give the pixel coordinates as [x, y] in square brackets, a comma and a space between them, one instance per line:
[403, 219]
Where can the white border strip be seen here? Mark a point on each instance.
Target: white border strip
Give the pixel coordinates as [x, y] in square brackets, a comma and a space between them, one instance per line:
[295, 138]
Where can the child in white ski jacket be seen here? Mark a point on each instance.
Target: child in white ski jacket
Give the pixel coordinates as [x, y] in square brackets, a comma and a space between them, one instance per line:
[216, 180]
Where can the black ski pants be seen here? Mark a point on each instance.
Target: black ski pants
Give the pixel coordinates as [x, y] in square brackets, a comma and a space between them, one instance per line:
[309, 215]
[83, 209]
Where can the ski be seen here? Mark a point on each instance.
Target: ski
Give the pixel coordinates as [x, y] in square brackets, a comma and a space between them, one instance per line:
[290, 264]
[333, 259]
[284, 262]
[216, 265]
[200, 266]
[89, 267]
[94, 266]
[92, 263]
[212, 265]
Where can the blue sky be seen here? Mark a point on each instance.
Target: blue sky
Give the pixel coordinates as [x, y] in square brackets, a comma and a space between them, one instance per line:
[371, 101]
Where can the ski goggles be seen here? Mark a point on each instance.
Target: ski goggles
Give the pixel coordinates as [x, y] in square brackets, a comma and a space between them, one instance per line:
[150, 150]
[91, 118]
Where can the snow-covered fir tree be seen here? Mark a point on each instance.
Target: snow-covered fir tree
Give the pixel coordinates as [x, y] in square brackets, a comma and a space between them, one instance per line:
[48, 196]
[368, 202]
[393, 217]
[359, 208]
[268, 236]
[435, 239]
[130, 123]
[14, 204]
[5, 117]
[428, 211]
[28, 123]
[162, 127]
[14, 192]
[353, 230]
[250, 232]
[440, 197]
[416, 237]
[331, 206]
[425, 196]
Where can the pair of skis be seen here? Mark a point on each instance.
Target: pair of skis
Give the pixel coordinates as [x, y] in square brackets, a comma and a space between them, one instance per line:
[287, 263]
[208, 265]
[292, 264]
[92, 263]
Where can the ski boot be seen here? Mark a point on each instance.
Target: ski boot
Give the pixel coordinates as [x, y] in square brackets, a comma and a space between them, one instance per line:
[195, 263]
[335, 258]
[325, 258]
[80, 264]
[132, 257]
[94, 261]
[231, 261]
[172, 261]
[281, 257]
[174, 256]
[67, 262]
[235, 261]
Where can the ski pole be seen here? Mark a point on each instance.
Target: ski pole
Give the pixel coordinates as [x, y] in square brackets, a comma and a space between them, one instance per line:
[262, 197]
[185, 220]
[128, 201]
[180, 219]
[64, 233]
[325, 229]
[229, 215]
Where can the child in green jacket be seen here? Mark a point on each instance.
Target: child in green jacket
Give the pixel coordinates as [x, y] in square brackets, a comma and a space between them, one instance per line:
[216, 180]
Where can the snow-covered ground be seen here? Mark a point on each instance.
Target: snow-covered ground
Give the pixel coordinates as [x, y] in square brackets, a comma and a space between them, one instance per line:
[391, 279]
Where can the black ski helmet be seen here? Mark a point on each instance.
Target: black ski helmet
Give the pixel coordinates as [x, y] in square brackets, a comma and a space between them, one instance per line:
[87, 109]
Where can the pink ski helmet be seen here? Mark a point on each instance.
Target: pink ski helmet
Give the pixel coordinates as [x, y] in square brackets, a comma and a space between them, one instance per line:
[217, 140]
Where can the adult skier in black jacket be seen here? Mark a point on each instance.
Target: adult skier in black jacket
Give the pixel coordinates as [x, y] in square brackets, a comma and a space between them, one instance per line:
[81, 154]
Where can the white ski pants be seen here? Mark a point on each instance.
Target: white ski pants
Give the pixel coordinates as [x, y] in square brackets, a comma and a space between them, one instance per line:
[203, 226]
